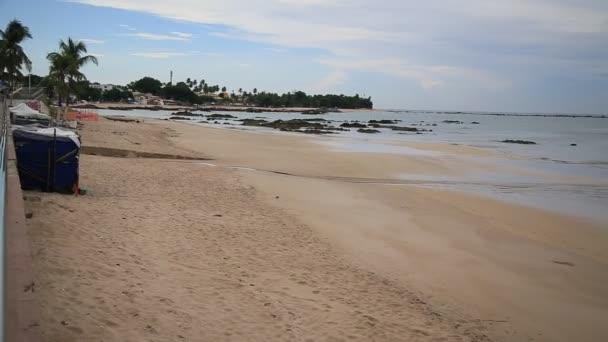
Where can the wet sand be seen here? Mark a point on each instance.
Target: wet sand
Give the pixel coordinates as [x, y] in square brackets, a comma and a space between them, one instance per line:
[315, 245]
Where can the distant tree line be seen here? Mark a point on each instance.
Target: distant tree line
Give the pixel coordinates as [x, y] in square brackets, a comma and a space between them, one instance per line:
[195, 92]
[301, 99]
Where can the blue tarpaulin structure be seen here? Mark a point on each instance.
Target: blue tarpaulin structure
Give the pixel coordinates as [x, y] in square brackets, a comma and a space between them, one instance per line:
[47, 159]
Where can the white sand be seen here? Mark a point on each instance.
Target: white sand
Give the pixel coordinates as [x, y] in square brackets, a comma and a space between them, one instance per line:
[145, 256]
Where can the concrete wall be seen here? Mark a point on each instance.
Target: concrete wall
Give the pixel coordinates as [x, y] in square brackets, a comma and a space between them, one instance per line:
[21, 317]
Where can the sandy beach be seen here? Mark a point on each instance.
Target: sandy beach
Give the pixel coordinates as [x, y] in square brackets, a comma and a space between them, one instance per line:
[273, 237]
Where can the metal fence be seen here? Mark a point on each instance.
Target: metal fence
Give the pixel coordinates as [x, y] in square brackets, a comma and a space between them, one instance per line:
[4, 124]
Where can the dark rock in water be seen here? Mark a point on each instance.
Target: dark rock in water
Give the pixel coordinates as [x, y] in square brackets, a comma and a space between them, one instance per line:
[573, 145]
[364, 130]
[253, 122]
[452, 121]
[226, 123]
[316, 131]
[315, 119]
[221, 116]
[254, 110]
[474, 123]
[375, 125]
[405, 129]
[203, 121]
[315, 112]
[340, 129]
[178, 118]
[523, 142]
[383, 122]
[434, 125]
[353, 125]
[216, 122]
[185, 113]
[294, 124]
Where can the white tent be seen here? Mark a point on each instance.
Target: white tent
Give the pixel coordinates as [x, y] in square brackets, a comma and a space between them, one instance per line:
[23, 110]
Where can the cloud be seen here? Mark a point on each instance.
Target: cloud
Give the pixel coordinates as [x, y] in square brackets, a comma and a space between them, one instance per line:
[428, 76]
[128, 27]
[330, 82]
[277, 50]
[156, 36]
[96, 55]
[91, 41]
[438, 44]
[182, 34]
[213, 54]
[159, 55]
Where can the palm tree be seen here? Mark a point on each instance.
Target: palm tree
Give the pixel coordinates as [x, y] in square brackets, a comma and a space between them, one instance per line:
[12, 56]
[255, 91]
[58, 74]
[66, 64]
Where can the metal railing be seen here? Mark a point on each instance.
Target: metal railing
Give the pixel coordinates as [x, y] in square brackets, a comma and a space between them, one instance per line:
[4, 126]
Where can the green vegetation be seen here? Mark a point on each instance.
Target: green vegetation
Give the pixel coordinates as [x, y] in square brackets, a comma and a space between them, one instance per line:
[65, 67]
[12, 56]
[84, 91]
[195, 92]
[301, 99]
[147, 85]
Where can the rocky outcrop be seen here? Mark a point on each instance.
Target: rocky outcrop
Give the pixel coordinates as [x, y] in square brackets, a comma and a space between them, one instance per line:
[523, 142]
[369, 131]
[221, 116]
[186, 113]
[315, 119]
[404, 129]
[383, 122]
[253, 122]
[452, 121]
[294, 124]
[314, 112]
[353, 125]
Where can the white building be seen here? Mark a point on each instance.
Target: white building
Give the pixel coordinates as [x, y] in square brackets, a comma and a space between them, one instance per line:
[103, 87]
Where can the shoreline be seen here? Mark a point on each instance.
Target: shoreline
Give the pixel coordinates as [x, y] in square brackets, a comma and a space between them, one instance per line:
[476, 269]
[224, 108]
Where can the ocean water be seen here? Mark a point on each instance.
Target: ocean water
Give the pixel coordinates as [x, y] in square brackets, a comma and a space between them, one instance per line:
[582, 189]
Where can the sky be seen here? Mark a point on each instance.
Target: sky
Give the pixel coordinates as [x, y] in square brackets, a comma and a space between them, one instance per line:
[547, 56]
